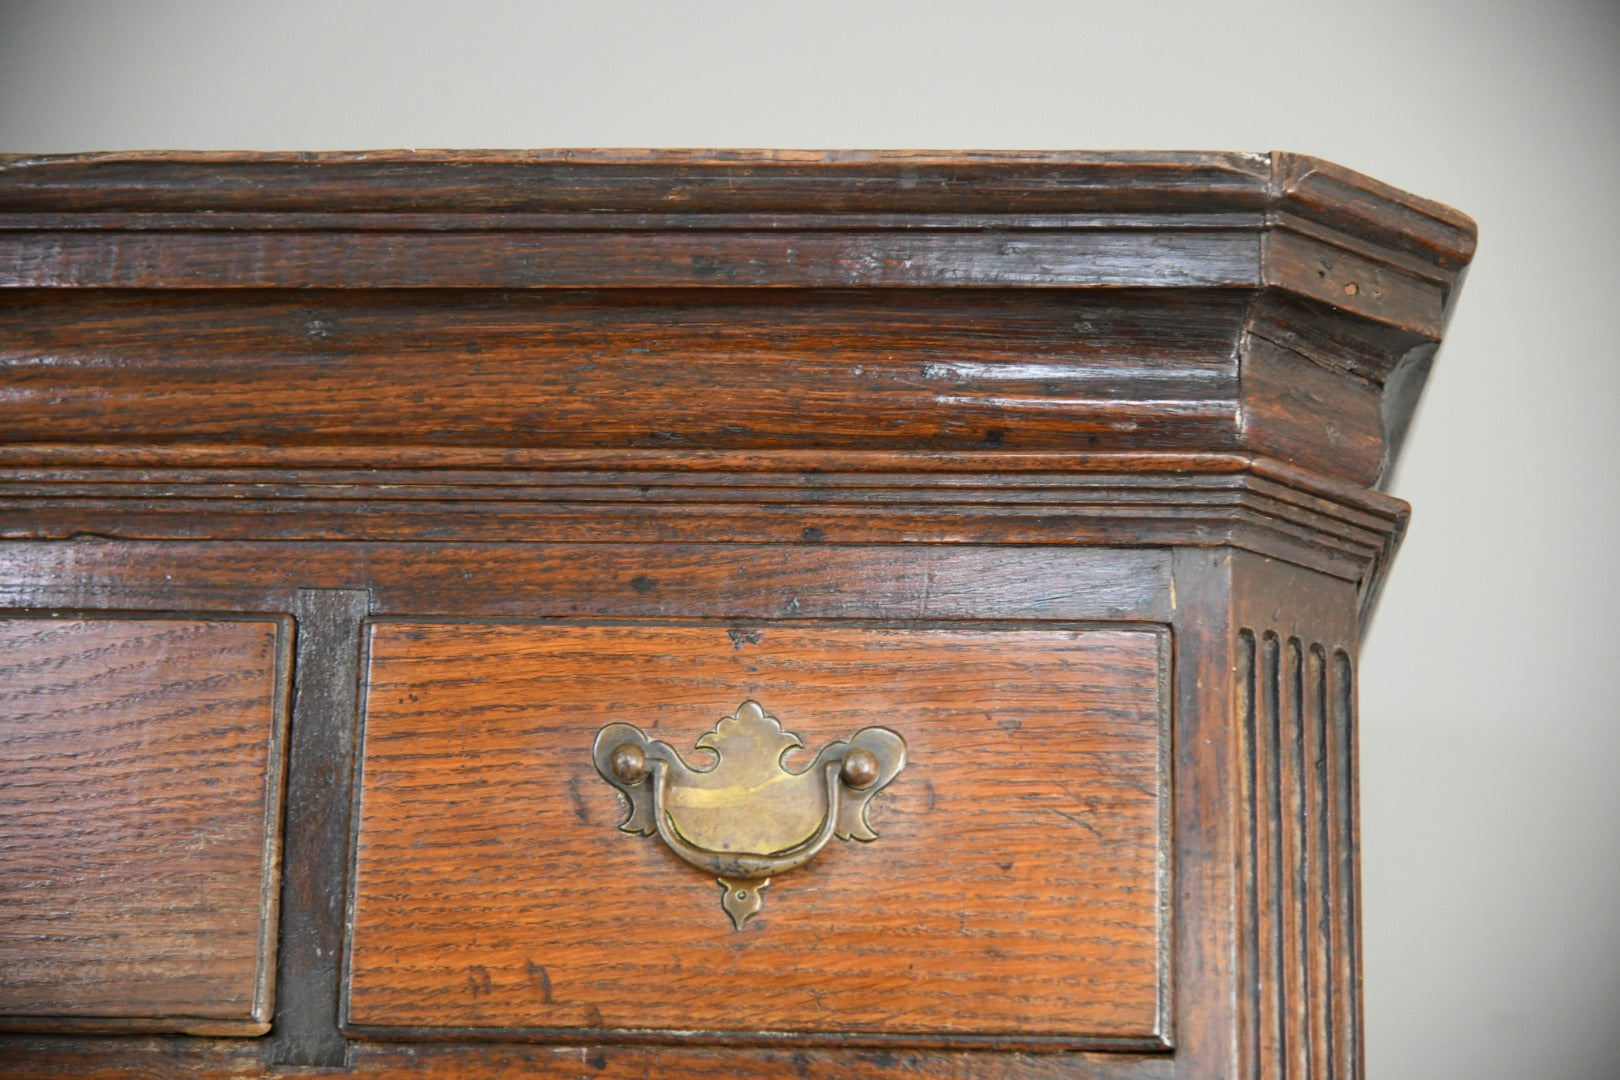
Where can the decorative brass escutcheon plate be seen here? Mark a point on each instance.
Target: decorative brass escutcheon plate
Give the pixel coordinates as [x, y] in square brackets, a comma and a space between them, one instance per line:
[746, 818]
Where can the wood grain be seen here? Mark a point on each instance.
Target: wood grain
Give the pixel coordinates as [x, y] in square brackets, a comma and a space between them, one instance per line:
[320, 757]
[140, 781]
[645, 181]
[1294, 694]
[852, 431]
[645, 294]
[494, 891]
[118, 1059]
[668, 368]
[749, 581]
[1212, 997]
[777, 258]
[260, 219]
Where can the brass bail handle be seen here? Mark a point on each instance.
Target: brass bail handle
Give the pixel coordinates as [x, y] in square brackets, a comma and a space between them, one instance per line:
[746, 818]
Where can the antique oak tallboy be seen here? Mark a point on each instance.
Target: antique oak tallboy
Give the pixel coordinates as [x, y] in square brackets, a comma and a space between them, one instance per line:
[693, 614]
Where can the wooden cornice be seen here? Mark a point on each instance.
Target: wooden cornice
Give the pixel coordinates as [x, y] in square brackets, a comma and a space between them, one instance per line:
[402, 344]
[1217, 204]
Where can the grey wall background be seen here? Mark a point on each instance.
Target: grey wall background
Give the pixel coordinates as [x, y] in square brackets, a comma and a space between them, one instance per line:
[1490, 730]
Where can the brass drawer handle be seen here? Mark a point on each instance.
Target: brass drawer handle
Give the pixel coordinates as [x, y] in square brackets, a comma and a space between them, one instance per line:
[746, 818]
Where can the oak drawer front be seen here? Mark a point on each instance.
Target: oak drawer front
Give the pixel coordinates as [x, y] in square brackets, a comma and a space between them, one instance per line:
[140, 782]
[1015, 889]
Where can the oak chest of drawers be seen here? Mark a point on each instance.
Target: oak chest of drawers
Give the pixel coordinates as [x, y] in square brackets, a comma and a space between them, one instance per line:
[694, 614]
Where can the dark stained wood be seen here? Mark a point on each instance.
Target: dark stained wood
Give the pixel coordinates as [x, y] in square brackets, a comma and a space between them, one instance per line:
[45, 1060]
[1302, 412]
[1187, 228]
[1294, 658]
[140, 780]
[320, 753]
[494, 890]
[1209, 1005]
[662, 183]
[1088, 442]
[671, 368]
[565, 258]
[811, 580]
[442, 182]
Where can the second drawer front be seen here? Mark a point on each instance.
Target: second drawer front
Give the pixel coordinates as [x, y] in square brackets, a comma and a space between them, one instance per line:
[1015, 889]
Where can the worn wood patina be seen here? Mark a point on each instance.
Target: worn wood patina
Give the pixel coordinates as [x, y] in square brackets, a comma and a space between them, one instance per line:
[345, 498]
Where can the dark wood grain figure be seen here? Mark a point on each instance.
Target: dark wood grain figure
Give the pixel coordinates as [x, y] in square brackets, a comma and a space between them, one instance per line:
[140, 784]
[1035, 770]
[1066, 466]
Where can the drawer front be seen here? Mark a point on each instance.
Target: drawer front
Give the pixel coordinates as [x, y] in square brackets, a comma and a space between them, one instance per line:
[140, 779]
[1015, 891]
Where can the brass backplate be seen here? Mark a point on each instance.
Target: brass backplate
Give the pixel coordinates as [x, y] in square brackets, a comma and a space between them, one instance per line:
[747, 817]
